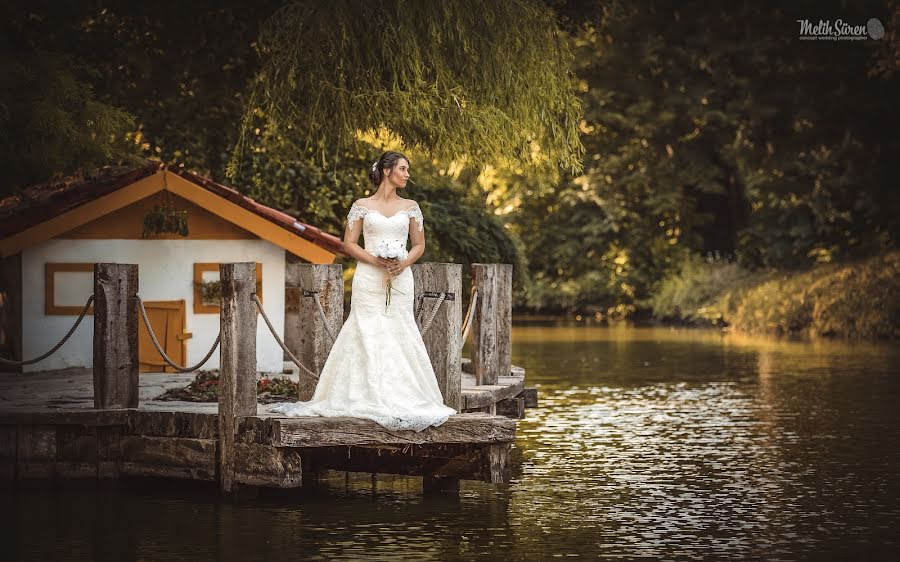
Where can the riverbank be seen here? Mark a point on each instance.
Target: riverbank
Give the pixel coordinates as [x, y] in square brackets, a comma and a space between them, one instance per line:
[851, 300]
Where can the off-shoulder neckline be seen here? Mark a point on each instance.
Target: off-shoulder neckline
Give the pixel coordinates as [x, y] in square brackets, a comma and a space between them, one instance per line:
[385, 216]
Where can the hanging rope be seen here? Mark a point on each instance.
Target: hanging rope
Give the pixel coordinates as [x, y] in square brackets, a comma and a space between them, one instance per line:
[434, 312]
[278, 339]
[162, 353]
[315, 295]
[57, 346]
[469, 314]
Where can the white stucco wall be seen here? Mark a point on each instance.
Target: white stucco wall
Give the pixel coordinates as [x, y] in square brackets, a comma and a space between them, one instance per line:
[166, 272]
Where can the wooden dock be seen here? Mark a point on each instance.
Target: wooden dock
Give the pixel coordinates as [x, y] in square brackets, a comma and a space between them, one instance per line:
[49, 429]
[106, 422]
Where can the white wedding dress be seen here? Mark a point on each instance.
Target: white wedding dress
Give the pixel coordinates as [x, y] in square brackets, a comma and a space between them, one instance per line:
[378, 368]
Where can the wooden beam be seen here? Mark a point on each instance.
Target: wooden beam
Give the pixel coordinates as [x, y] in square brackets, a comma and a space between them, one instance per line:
[237, 382]
[485, 351]
[512, 408]
[304, 332]
[116, 375]
[442, 467]
[442, 340]
[83, 214]
[326, 431]
[475, 396]
[246, 219]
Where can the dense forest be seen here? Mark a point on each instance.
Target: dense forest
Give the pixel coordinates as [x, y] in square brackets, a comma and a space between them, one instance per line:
[629, 159]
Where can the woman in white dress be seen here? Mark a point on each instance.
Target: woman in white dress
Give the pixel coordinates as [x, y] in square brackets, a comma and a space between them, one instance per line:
[378, 368]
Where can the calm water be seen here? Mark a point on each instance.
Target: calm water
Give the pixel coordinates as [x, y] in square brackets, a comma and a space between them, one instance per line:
[648, 443]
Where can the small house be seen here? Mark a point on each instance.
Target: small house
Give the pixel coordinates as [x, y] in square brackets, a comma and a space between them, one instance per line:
[177, 226]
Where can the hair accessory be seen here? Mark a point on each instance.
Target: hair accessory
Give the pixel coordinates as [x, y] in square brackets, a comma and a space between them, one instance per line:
[374, 165]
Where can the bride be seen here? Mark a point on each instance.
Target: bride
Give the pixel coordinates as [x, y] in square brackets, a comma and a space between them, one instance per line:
[378, 368]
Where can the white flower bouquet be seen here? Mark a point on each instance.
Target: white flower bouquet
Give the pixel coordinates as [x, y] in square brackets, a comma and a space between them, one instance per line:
[391, 250]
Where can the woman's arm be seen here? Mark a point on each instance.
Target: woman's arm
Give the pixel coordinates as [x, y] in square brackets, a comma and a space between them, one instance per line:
[417, 241]
[351, 237]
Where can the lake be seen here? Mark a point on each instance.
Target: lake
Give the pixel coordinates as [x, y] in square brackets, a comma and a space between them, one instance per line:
[648, 442]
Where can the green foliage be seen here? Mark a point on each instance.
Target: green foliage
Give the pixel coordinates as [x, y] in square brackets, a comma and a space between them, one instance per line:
[853, 300]
[857, 300]
[693, 291]
[711, 130]
[210, 292]
[486, 81]
[51, 122]
[165, 218]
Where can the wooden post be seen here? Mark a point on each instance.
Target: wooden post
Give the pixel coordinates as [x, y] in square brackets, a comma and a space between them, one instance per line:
[443, 337]
[304, 333]
[115, 336]
[237, 366]
[492, 322]
[503, 289]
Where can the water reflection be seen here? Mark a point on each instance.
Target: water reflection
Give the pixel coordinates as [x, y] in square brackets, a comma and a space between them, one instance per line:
[677, 444]
[695, 444]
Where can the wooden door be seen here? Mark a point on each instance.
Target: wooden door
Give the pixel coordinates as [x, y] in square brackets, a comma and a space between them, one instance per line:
[168, 321]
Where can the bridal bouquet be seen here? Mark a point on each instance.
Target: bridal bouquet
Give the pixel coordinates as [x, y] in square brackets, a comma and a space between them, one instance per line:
[392, 250]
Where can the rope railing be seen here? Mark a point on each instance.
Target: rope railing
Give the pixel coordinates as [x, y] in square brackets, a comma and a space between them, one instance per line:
[467, 323]
[293, 359]
[84, 310]
[162, 353]
[315, 296]
[427, 324]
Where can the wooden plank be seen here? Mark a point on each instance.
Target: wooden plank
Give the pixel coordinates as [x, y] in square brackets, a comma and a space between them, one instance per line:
[169, 457]
[464, 463]
[237, 384]
[109, 449]
[116, 374]
[512, 408]
[442, 339]
[174, 424]
[305, 334]
[61, 417]
[496, 463]
[36, 451]
[530, 396]
[265, 465]
[484, 395]
[323, 431]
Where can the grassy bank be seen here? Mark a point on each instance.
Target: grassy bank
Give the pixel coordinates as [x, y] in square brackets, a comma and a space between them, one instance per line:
[855, 300]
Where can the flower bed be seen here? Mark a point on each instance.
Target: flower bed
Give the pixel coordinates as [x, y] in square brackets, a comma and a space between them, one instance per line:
[205, 388]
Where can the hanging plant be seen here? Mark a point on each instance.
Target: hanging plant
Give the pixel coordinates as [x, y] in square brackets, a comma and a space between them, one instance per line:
[165, 218]
[210, 292]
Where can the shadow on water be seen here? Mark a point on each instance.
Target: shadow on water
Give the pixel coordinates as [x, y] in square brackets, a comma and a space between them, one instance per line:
[648, 442]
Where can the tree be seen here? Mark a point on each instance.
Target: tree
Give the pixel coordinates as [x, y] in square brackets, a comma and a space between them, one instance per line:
[714, 130]
[483, 81]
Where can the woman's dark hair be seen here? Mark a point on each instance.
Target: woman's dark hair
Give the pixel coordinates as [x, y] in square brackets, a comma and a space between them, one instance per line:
[387, 160]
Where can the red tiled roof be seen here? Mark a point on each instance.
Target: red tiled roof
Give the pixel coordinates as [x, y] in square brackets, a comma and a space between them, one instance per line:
[38, 203]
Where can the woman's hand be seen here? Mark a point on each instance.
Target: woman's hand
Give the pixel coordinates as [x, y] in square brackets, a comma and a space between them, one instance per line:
[393, 267]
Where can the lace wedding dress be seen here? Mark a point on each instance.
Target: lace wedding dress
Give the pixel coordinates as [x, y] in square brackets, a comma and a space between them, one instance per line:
[378, 368]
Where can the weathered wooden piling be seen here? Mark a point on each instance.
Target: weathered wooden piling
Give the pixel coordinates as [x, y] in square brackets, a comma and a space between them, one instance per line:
[237, 381]
[492, 322]
[115, 336]
[304, 332]
[442, 339]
